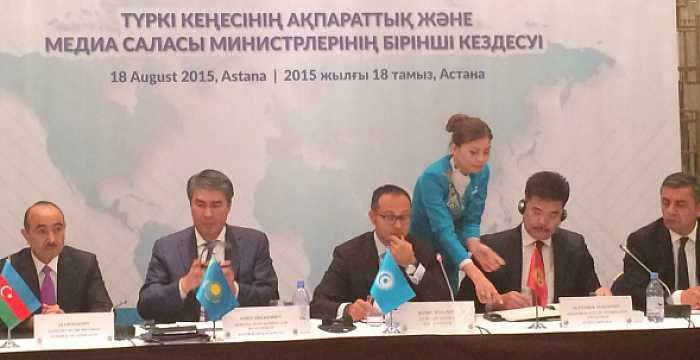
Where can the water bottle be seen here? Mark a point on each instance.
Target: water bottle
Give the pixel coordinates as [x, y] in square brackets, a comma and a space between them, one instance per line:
[655, 299]
[302, 300]
[301, 297]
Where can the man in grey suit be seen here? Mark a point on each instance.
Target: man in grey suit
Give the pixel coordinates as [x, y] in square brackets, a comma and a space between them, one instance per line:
[179, 260]
[567, 267]
[63, 278]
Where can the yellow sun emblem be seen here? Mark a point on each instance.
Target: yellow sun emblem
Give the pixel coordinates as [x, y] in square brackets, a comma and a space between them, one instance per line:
[215, 289]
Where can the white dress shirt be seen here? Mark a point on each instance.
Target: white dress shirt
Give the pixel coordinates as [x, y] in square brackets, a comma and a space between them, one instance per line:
[219, 255]
[689, 256]
[547, 259]
[53, 264]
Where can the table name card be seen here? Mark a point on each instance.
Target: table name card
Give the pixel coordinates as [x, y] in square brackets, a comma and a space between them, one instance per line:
[437, 317]
[270, 320]
[595, 310]
[96, 327]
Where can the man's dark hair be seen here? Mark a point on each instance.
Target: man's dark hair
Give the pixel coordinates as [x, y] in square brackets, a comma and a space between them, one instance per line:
[211, 180]
[547, 185]
[387, 189]
[681, 180]
[40, 203]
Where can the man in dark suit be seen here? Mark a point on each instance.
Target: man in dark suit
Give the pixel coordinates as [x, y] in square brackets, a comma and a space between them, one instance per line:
[344, 289]
[667, 246]
[179, 260]
[566, 265]
[63, 278]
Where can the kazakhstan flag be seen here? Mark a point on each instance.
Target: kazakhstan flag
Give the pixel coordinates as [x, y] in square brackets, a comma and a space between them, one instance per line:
[214, 294]
[390, 288]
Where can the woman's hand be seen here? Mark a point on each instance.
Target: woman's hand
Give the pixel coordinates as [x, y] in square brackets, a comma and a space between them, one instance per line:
[487, 258]
[485, 291]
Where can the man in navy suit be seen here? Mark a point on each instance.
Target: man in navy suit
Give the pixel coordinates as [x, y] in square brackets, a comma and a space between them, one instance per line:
[567, 266]
[179, 260]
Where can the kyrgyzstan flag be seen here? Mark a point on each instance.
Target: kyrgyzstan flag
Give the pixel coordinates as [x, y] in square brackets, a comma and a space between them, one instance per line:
[17, 301]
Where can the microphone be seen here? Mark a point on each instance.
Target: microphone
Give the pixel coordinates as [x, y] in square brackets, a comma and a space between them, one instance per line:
[628, 252]
[438, 257]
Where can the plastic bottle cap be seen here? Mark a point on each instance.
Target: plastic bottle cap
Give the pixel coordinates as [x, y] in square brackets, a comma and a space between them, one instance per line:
[654, 275]
[300, 284]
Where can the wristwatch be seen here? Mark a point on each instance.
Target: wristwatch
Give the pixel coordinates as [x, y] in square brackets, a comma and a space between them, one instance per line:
[411, 269]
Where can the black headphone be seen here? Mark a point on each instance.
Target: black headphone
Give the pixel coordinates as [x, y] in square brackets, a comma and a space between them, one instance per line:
[522, 204]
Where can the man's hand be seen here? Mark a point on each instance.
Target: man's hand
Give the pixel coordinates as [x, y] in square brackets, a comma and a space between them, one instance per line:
[229, 274]
[691, 297]
[51, 309]
[402, 250]
[359, 309]
[487, 258]
[514, 300]
[193, 278]
[603, 291]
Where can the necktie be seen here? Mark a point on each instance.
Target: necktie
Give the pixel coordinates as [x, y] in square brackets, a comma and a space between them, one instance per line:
[536, 279]
[209, 248]
[683, 282]
[48, 291]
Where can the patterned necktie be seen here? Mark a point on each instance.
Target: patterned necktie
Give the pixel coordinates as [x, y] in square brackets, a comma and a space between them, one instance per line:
[683, 279]
[536, 279]
[209, 248]
[48, 291]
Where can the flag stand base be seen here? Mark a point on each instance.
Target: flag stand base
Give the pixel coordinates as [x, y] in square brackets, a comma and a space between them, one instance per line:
[9, 343]
[391, 328]
[537, 324]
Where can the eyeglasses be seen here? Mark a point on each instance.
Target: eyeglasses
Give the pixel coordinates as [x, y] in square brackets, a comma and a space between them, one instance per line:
[391, 218]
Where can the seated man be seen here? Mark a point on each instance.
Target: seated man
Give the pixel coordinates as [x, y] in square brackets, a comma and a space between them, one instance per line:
[179, 260]
[667, 246]
[345, 286]
[63, 278]
[538, 245]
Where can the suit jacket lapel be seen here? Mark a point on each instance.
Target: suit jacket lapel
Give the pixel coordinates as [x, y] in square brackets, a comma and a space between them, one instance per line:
[232, 252]
[371, 262]
[66, 281]
[24, 264]
[188, 251]
[515, 247]
[666, 270]
[560, 258]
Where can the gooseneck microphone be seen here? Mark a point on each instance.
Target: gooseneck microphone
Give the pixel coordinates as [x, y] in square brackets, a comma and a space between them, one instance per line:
[438, 257]
[628, 252]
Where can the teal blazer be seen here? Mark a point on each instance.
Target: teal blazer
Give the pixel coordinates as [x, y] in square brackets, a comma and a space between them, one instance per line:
[444, 220]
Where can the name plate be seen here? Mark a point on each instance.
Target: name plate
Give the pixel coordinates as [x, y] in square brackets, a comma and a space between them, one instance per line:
[437, 317]
[270, 320]
[595, 310]
[97, 327]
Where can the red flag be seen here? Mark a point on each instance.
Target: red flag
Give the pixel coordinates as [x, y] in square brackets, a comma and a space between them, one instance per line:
[535, 279]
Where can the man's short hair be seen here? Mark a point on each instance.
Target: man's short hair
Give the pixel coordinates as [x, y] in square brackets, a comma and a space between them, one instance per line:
[387, 189]
[40, 203]
[682, 180]
[548, 185]
[211, 180]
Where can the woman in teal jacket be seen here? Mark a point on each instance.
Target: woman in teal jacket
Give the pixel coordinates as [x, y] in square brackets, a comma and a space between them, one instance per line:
[448, 201]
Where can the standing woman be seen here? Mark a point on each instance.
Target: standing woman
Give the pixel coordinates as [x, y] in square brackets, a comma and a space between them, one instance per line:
[448, 201]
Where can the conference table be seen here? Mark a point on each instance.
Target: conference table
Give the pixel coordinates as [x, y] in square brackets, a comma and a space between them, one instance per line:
[671, 339]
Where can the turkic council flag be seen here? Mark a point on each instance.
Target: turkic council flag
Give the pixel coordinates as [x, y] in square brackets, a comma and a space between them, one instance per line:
[214, 294]
[390, 288]
[17, 302]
